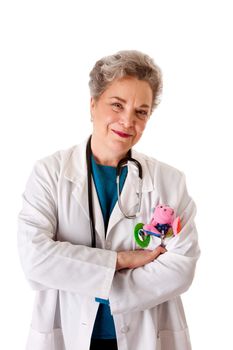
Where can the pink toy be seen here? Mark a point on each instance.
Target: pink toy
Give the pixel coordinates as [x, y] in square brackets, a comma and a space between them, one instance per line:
[163, 219]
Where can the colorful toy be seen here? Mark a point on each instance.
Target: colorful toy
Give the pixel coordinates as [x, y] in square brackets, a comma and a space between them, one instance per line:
[163, 224]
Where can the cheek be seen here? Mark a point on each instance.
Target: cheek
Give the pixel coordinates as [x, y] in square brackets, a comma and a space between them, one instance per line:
[108, 116]
[112, 119]
[140, 129]
[102, 120]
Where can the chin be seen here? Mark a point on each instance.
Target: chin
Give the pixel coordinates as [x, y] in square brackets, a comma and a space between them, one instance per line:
[120, 147]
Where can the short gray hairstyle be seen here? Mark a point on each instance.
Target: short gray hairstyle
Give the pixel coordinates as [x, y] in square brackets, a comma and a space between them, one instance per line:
[126, 63]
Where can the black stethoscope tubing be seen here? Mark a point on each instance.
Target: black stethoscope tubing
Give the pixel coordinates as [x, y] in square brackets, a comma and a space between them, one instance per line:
[89, 191]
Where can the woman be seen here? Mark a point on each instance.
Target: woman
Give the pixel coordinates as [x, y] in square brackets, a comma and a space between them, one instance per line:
[94, 289]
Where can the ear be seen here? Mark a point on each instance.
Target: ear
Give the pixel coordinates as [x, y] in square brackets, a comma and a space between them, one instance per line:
[92, 106]
[92, 103]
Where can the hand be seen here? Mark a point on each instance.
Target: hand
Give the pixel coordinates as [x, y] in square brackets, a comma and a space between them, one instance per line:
[136, 258]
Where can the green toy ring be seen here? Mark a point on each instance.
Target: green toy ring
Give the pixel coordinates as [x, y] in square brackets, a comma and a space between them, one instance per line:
[142, 240]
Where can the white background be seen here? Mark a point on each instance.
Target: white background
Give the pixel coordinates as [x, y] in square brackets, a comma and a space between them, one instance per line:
[47, 50]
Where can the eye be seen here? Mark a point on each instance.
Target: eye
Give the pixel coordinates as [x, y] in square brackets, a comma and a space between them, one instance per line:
[116, 106]
[142, 114]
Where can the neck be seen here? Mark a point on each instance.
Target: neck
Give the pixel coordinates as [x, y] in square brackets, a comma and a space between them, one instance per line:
[105, 156]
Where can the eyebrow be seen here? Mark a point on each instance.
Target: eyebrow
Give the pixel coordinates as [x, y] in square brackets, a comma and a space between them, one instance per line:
[124, 101]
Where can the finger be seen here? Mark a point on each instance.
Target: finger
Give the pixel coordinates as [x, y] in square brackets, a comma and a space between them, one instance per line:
[159, 250]
[163, 250]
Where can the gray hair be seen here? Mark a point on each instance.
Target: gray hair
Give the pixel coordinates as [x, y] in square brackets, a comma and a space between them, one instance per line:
[126, 63]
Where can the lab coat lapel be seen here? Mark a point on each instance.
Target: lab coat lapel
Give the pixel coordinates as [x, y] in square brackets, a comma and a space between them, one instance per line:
[129, 200]
[76, 172]
[98, 216]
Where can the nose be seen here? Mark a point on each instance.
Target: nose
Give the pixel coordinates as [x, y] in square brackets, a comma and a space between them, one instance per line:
[127, 119]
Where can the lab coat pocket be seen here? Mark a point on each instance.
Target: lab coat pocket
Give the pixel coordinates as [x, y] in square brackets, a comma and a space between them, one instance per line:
[174, 340]
[45, 341]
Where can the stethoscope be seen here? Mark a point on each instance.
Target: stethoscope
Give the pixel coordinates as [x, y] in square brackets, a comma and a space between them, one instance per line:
[122, 163]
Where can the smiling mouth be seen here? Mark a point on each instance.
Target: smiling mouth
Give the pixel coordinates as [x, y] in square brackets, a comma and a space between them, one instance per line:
[121, 134]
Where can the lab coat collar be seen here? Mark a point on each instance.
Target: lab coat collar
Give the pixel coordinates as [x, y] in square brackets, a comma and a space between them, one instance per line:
[76, 168]
[147, 182]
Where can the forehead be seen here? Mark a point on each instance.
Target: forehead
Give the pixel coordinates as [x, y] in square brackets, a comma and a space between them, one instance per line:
[130, 88]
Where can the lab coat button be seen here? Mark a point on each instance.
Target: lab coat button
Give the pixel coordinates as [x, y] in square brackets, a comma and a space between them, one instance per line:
[124, 329]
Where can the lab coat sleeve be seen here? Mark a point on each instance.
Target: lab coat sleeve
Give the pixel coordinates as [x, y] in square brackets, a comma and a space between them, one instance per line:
[51, 264]
[169, 275]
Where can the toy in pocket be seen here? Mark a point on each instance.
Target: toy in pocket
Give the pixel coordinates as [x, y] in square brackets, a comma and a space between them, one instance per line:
[163, 224]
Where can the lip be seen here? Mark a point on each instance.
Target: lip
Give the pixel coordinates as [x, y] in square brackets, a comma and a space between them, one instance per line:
[121, 134]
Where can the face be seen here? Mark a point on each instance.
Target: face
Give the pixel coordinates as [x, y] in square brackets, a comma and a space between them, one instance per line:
[120, 115]
[163, 214]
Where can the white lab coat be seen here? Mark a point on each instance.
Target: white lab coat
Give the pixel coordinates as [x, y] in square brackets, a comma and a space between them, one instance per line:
[67, 274]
